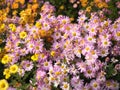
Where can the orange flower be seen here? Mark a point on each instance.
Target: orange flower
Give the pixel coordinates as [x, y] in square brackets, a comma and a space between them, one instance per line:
[100, 5]
[84, 4]
[34, 7]
[42, 33]
[15, 5]
[22, 1]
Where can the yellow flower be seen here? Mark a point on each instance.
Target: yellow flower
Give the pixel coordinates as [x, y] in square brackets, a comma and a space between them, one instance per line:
[2, 26]
[3, 84]
[38, 25]
[34, 57]
[52, 53]
[6, 59]
[6, 73]
[62, 7]
[88, 9]
[13, 68]
[7, 76]
[12, 27]
[23, 35]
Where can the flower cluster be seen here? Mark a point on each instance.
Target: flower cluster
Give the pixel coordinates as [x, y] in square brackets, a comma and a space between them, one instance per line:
[54, 53]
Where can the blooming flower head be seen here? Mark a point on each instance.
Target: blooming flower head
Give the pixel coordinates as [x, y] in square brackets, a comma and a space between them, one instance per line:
[95, 85]
[65, 86]
[23, 35]
[3, 84]
[40, 74]
[6, 73]
[27, 65]
[6, 59]
[12, 27]
[21, 72]
[34, 57]
[89, 73]
[13, 68]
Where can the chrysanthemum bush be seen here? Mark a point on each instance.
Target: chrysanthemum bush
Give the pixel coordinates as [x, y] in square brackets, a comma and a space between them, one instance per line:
[53, 53]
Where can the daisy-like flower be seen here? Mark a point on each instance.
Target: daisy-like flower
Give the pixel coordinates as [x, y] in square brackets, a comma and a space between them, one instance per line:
[65, 86]
[76, 82]
[94, 66]
[23, 52]
[87, 49]
[27, 65]
[103, 52]
[75, 33]
[78, 52]
[43, 56]
[63, 19]
[30, 45]
[90, 39]
[115, 85]
[21, 72]
[40, 74]
[81, 19]
[56, 45]
[95, 85]
[117, 35]
[108, 84]
[105, 43]
[46, 65]
[33, 30]
[81, 66]
[46, 25]
[92, 30]
[89, 73]
[57, 35]
[43, 87]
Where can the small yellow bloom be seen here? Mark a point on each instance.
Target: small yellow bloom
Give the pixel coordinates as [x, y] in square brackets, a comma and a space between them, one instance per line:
[52, 53]
[13, 68]
[38, 25]
[7, 76]
[12, 27]
[88, 9]
[23, 35]
[62, 7]
[3, 84]
[2, 26]
[71, 19]
[6, 71]
[34, 57]
[6, 59]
